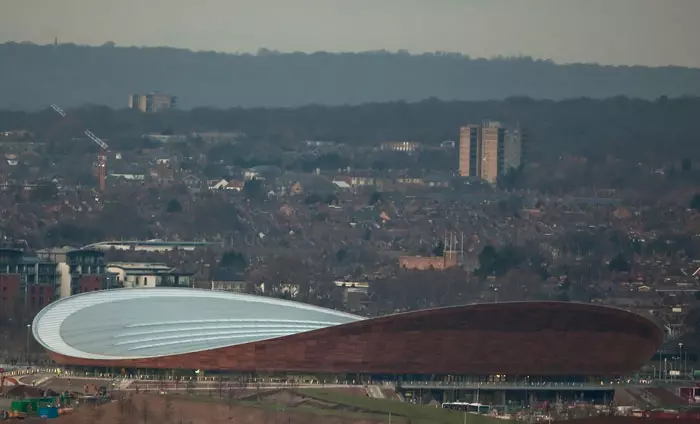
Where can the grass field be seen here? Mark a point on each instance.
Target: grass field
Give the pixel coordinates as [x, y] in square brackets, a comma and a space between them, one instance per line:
[279, 407]
[400, 412]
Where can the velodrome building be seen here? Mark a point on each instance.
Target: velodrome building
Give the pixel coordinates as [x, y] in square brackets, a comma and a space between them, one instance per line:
[190, 329]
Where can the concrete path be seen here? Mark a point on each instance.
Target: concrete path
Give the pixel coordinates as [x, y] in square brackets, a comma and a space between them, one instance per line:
[375, 392]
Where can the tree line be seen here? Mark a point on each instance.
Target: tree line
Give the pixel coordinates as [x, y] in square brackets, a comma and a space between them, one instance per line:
[629, 129]
[76, 75]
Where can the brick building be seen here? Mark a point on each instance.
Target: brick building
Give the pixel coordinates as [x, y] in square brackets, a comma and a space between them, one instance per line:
[9, 295]
[428, 262]
[87, 272]
[27, 283]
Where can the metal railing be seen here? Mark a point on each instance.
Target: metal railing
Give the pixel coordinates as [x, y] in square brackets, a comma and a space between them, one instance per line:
[216, 380]
[519, 385]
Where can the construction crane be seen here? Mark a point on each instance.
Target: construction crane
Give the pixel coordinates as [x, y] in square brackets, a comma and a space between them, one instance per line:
[58, 110]
[101, 159]
[101, 156]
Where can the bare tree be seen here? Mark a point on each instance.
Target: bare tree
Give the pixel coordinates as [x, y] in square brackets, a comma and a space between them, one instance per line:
[191, 384]
[220, 385]
[242, 382]
[230, 398]
[96, 414]
[125, 409]
[181, 420]
[121, 412]
[145, 411]
[167, 410]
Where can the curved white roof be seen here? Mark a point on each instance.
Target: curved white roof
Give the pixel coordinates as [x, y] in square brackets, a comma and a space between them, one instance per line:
[146, 323]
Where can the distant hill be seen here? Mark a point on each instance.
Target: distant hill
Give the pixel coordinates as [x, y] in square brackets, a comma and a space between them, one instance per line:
[33, 76]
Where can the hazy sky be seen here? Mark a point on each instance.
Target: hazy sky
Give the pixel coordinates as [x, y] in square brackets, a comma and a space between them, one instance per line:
[649, 32]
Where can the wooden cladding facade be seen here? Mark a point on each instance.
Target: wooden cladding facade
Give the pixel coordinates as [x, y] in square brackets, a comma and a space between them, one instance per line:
[522, 338]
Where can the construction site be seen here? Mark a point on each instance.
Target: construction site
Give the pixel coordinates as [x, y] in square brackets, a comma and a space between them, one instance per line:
[307, 383]
[41, 395]
[92, 400]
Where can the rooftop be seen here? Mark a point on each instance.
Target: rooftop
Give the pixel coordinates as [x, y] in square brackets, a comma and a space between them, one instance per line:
[140, 266]
[149, 243]
[146, 323]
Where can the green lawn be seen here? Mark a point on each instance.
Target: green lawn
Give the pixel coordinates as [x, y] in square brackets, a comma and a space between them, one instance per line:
[401, 412]
[301, 409]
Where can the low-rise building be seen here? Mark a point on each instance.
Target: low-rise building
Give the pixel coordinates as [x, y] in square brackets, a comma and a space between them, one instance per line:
[152, 102]
[424, 263]
[85, 271]
[354, 293]
[401, 146]
[224, 184]
[218, 136]
[166, 138]
[27, 283]
[226, 279]
[148, 275]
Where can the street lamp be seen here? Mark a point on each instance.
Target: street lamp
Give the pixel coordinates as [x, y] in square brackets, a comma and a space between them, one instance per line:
[29, 328]
[680, 360]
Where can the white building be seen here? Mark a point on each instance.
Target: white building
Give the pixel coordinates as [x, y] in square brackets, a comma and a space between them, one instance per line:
[512, 150]
[154, 245]
[148, 275]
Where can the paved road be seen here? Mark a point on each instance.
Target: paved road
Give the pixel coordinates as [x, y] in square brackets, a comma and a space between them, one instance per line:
[76, 383]
[155, 385]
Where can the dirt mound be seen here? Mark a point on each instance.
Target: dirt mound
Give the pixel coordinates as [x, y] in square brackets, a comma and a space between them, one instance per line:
[76, 384]
[291, 398]
[135, 408]
[25, 391]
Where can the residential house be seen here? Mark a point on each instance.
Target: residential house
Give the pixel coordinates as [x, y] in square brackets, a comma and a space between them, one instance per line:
[299, 183]
[356, 181]
[342, 185]
[193, 183]
[262, 172]
[224, 184]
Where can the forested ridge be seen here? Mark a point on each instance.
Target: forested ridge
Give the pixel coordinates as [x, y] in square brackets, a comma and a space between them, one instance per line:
[32, 76]
[649, 131]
